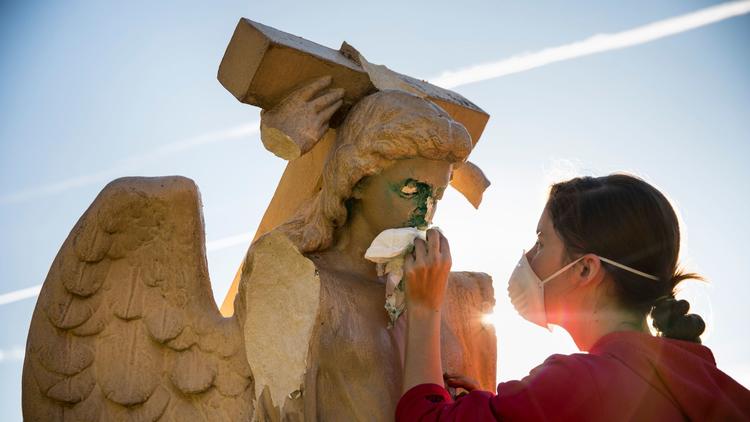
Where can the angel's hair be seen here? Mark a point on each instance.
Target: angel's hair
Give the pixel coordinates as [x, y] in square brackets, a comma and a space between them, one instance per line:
[382, 128]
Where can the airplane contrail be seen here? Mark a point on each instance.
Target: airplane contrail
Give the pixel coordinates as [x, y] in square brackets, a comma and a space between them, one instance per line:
[15, 354]
[211, 246]
[596, 44]
[449, 79]
[130, 163]
[229, 241]
[20, 294]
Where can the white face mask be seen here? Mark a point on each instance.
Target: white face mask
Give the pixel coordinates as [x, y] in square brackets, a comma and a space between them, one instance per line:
[526, 290]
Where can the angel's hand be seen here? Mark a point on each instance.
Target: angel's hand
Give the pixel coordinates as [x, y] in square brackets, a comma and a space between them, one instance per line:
[295, 125]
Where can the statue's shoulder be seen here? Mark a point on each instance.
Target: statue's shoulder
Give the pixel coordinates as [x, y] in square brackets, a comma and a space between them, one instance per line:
[470, 297]
[277, 244]
[277, 306]
[469, 288]
[275, 267]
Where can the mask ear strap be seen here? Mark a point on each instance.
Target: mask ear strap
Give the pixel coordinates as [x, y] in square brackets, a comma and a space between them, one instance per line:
[561, 270]
[626, 268]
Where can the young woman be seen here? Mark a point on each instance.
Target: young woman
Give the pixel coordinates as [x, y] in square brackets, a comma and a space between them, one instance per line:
[605, 259]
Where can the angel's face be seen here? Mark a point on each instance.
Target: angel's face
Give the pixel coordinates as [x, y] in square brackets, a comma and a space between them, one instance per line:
[403, 195]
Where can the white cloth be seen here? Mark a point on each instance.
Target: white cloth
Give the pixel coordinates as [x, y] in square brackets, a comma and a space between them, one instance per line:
[388, 251]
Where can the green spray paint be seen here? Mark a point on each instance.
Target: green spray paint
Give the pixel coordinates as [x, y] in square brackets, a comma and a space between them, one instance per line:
[421, 194]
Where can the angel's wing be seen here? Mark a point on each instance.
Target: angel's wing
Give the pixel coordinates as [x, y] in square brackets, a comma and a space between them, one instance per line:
[126, 327]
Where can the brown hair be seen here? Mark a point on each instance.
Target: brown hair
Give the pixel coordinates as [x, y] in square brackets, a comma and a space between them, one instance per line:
[625, 219]
[383, 127]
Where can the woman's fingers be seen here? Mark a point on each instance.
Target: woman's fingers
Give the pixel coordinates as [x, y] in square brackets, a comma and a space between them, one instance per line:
[433, 243]
[461, 381]
[420, 251]
[408, 263]
[445, 248]
[426, 274]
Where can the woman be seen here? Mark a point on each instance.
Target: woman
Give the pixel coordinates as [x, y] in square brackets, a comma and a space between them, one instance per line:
[605, 259]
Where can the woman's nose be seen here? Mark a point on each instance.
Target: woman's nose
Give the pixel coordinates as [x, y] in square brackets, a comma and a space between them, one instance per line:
[530, 253]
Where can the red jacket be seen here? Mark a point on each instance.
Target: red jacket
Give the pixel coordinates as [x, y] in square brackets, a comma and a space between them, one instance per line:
[625, 376]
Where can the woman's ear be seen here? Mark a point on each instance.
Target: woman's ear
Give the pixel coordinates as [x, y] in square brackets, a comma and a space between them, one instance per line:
[590, 270]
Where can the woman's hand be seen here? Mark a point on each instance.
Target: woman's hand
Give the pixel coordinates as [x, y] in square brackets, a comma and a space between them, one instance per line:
[426, 273]
[461, 381]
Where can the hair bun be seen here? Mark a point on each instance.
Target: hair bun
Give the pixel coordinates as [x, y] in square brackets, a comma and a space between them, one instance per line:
[672, 320]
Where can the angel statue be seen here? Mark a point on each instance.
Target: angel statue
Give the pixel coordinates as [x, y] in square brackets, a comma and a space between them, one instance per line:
[126, 326]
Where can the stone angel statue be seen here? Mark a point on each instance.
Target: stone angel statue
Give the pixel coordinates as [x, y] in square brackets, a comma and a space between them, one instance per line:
[126, 326]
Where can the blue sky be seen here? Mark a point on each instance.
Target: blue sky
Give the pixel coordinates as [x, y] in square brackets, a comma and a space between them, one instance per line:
[92, 91]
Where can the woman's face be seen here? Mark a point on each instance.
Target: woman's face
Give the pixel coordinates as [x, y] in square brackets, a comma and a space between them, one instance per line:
[546, 257]
[548, 253]
[404, 194]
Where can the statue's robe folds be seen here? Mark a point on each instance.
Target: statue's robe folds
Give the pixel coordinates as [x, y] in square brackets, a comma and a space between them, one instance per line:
[318, 344]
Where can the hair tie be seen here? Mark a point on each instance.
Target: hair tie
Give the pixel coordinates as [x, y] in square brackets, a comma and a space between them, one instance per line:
[662, 298]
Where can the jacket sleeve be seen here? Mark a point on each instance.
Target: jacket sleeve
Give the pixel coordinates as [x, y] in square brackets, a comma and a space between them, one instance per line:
[560, 388]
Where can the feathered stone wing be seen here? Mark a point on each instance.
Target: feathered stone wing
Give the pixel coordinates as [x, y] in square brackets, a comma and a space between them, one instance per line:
[126, 327]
